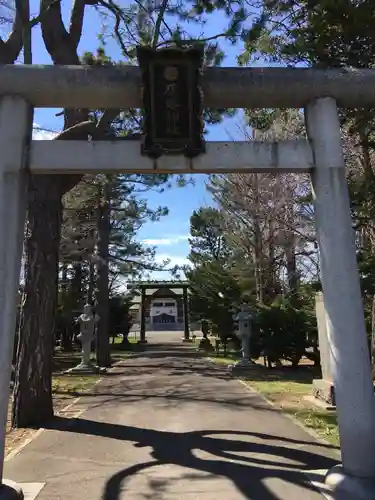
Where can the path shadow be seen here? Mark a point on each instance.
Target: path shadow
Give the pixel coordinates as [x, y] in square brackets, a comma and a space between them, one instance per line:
[162, 353]
[170, 396]
[303, 374]
[215, 371]
[271, 457]
[139, 383]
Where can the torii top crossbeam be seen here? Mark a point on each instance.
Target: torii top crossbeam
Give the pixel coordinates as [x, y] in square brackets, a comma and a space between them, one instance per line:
[160, 284]
[119, 87]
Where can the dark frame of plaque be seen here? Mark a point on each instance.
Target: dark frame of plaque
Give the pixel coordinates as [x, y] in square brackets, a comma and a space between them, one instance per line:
[172, 101]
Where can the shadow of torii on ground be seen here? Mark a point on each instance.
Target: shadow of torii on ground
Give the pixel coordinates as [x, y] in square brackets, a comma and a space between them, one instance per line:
[211, 452]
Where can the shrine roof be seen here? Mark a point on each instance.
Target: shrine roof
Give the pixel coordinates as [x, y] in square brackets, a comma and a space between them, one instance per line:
[151, 291]
[157, 285]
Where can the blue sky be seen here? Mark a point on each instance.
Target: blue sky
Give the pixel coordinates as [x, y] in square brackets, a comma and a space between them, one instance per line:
[170, 234]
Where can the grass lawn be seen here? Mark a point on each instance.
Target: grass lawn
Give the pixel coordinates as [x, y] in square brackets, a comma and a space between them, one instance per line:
[67, 386]
[133, 339]
[286, 388]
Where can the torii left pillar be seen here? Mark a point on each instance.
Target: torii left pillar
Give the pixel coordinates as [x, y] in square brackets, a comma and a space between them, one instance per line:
[15, 137]
[186, 316]
[143, 339]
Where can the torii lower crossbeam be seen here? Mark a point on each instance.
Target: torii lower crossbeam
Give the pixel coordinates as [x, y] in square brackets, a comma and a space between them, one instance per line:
[79, 157]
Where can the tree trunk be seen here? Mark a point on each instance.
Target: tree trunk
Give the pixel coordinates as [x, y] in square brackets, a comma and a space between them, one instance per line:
[270, 280]
[259, 268]
[33, 395]
[373, 334]
[76, 287]
[67, 338]
[291, 268]
[64, 276]
[258, 250]
[125, 344]
[91, 285]
[32, 390]
[103, 355]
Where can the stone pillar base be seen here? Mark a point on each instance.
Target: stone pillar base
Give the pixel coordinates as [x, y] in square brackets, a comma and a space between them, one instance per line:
[9, 490]
[345, 487]
[324, 390]
[86, 369]
[339, 485]
[242, 367]
[142, 341]
[188, 340]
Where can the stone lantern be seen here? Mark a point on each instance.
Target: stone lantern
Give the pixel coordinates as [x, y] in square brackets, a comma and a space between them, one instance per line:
[243, 332]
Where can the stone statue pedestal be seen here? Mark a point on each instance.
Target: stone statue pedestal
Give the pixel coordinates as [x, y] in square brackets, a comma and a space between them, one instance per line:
[187, 340]
[241, 367]
[86, 369]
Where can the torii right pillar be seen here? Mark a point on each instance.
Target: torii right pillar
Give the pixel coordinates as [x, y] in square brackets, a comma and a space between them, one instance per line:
[186, 315]
[350, 359]
[142, 339]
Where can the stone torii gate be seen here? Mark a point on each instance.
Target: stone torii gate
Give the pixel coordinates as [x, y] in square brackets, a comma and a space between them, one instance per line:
[143, 286]
[318, 91]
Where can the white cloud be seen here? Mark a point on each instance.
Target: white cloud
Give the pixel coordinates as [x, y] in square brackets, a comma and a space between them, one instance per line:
[40, 134]
[172, 240]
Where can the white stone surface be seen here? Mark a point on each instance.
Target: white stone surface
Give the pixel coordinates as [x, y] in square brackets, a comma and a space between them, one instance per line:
[14, 134]
[350, 360]
[31, 490]
[124, 156]
[324, 350]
